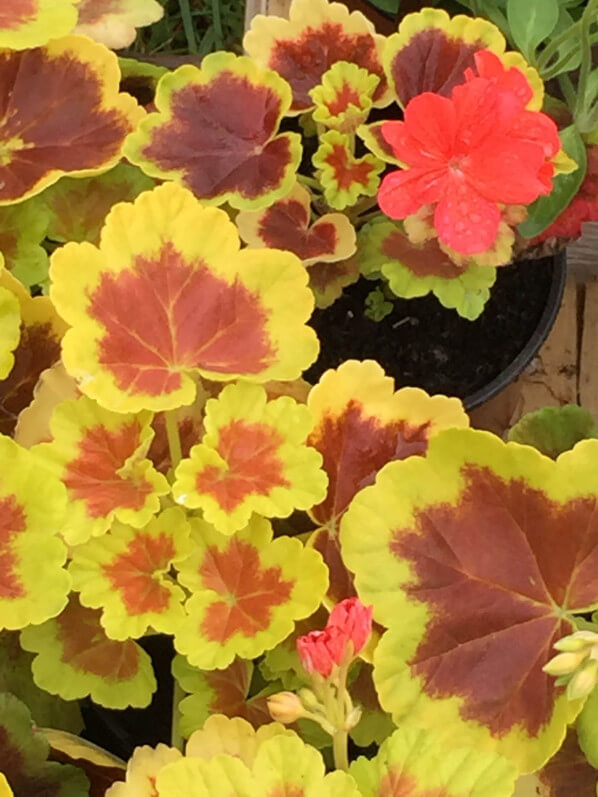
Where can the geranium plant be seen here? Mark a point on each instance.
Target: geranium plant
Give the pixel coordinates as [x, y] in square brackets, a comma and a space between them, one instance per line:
[359, 595]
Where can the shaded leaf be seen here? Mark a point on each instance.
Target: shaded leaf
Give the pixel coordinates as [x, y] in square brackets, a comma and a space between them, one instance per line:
[568, 772]
[76, 659]
[115, 22]
[327, 280]
[22, 230]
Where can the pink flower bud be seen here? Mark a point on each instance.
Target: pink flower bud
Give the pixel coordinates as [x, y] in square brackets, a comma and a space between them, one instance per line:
[322, 651]
[354, 620]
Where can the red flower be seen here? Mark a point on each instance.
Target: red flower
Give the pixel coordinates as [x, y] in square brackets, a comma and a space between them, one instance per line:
[469, 154]
[354, 620]
[322, 651]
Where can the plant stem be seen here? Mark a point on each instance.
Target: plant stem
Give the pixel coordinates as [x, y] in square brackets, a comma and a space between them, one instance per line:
[188, 25]
[551, 49]
[340, 751]
[174, 438]
[176, 740]
[309, 181]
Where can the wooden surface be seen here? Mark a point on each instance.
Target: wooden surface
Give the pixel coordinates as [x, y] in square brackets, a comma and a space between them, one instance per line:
[565, 370]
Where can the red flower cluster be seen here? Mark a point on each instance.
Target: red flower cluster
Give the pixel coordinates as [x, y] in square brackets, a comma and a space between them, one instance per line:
[346, 634]
[470, 154]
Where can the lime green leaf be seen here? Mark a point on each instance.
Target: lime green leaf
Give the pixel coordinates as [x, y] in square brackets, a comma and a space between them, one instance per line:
[417, 763]
[553, 430]
[10, 329]
[232, 736]
[142, 770]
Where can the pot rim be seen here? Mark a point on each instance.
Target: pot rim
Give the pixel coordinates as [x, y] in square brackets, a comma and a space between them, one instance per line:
[538, 337]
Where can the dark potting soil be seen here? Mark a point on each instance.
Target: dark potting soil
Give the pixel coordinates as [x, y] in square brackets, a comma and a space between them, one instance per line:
[422, 344]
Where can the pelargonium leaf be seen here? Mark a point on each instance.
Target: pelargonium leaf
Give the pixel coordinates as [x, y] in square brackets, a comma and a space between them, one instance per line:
[38, 349]
[328, 33]
[248, 591]
[283, 662]
[22, 229]
[75, 659]
[567, 772]
[327, 280]
[343, 176]
[10, 329]
[587, 729]
[33, 583]
[137, 339]
[459, 563]
[283, 765]
[416, 269]
[5, 790]
[15, 677]
[375, 724]
[24, 752]
[77, 208]
[53, 387]
[216, 132]
[361, 424]
[142, 770]
[29, 23]
[100, 456]
[115, 22]
[554, 430]
[126, 573]
[140, 78]
[223, 735]
[286, 225]
[253, 458]
[431, 52]
[344, 98]
[224, 692]
[101, 767]
[419, 763]
[77, 124]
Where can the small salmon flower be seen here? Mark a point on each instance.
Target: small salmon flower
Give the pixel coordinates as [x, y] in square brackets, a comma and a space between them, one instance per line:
[355, 620]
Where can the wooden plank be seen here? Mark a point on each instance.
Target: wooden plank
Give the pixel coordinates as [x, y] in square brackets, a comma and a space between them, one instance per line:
[588, 382]
[582, 255]
[551, 379]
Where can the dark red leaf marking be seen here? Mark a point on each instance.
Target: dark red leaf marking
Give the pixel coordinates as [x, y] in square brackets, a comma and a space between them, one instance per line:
[346, 173]
[341, 580]
[303, 61]
[92, 11]
[254, 468]
[249, 592]
[38, 349]
[221, 137]
[16, 13]
[488, 570]
[18, 770]
[345, 96]
[431, 61]
[132, 573]
[354, 448]
[93, 477]
[86, 647]
[51, 119]
[190, 431]
[168, 315]
[285, 225]
[322, 276]
[568, 773]
[426, 260]
[231, 687]
[12, 522]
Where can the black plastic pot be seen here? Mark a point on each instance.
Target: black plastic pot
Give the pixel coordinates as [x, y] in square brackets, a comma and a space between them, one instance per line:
[527, 354]
[422, 344]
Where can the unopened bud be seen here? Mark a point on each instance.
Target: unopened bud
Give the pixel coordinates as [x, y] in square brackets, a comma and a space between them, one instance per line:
[285, 707]
[353, 718]
[580, 640]
[583, 682]
[309, 700]
[564, 663]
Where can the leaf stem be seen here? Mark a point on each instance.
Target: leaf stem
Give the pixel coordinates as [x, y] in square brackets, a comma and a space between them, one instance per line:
[340, 751]
[174, 438]
[551, 49]
[176, 739]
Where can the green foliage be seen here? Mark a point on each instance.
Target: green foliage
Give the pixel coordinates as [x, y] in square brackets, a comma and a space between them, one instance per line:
[531, 23]
[377, 306]
[554, 430]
